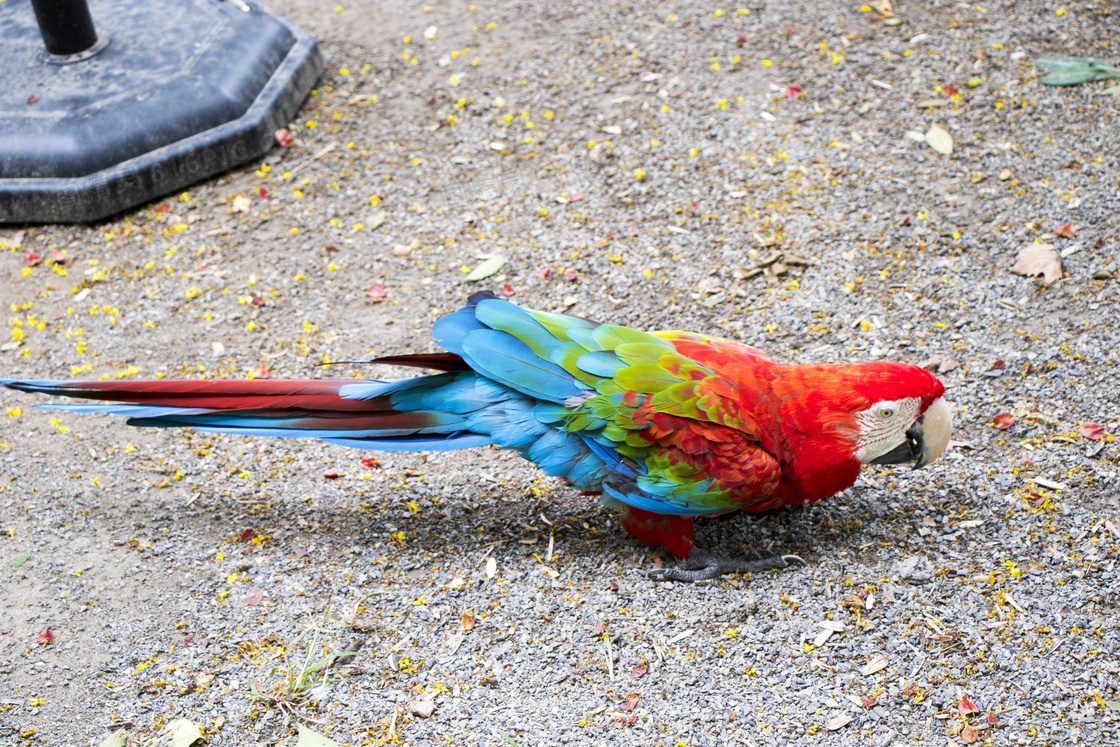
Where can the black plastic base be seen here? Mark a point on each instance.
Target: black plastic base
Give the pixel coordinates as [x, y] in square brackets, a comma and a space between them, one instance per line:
[186, 89]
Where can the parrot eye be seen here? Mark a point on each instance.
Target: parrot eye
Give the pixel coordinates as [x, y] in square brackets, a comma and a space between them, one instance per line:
[886, 412]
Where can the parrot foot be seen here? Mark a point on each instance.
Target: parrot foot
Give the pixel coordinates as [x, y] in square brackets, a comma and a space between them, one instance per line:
[702, 566]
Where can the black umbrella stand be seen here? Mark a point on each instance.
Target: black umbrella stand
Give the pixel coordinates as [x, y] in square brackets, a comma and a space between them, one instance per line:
[103, 111]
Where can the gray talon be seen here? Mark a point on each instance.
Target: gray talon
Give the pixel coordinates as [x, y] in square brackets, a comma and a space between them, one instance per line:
[700, 566]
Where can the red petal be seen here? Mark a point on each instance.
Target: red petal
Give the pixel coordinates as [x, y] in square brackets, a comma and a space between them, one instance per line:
[1092, 431]
[262, 193]
[31, 259]
[600, 629]
[1003, 421]
[544, 273]
[247, 536]
[631, 701]
[640, 671]
[570, 275]
[1066, 229]
[331, 473]
[377, 290]
[284, 138]
[966, 706]
[575, 196]
[792, 91]
[46, 637]
[949, 90]
[370, 463]
[507, 289]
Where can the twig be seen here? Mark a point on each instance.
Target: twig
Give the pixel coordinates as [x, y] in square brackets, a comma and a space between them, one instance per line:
[610, 655]
[315, 157]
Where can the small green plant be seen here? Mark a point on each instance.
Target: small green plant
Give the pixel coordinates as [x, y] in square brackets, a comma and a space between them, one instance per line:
[299, 675]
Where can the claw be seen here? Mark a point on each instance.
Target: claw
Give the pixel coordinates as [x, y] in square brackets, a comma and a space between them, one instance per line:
[701, 566]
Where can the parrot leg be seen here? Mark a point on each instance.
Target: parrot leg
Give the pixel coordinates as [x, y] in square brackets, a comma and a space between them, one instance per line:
[701, 566]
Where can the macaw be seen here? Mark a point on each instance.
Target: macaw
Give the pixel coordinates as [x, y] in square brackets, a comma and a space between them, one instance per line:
[665, 425]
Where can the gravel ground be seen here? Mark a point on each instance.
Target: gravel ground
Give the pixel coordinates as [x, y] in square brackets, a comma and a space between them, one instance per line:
[636, 164]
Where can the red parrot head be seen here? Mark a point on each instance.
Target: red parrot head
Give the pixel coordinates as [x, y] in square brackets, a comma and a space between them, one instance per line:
[894, 413]
[839, 417]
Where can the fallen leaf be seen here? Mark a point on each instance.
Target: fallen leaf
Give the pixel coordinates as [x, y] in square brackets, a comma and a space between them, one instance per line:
[377, 219]
[119, 738]
[489, 267]
[1071, 71]
[1003, 421]
[640, 671]
[255, 596]
[377, 291]
[869, 701]
[631, 701]
[20, 559]
[838, 722]
[1066, 230]
[283, 138]
[966, 706]
[1092, 431]
[1039, 259]
[466, 622]
[32, 99]
[331, 473]
[241, 204]
[181, 733]
[309, 738]
[247, 536]
[877, 664]
[940, 362]
[939, 139]
[46, 638]
[1111, 91]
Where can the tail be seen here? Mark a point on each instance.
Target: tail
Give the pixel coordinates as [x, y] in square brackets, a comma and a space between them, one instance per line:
[403, 415]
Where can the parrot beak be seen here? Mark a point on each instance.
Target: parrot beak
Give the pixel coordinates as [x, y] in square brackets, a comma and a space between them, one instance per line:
[926, 439]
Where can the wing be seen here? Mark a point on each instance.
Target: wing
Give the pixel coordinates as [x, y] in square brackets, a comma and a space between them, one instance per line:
[653, 428]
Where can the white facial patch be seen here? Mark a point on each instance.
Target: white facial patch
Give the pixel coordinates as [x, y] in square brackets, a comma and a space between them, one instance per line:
[883, 426]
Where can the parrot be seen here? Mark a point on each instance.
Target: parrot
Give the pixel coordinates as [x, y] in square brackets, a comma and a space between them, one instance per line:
[664, 426]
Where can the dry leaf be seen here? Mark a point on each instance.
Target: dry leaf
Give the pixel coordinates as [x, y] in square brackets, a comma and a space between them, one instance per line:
[877, 664]
[940, 140]
[1003, 421]
[839, 721]
[1039, 259]
[940, 362]
[1092, 431]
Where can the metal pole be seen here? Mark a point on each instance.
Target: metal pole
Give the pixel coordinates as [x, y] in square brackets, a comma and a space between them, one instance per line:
[66, 26]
